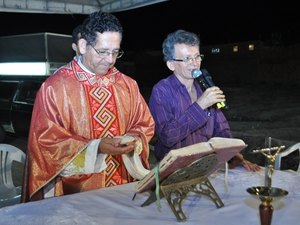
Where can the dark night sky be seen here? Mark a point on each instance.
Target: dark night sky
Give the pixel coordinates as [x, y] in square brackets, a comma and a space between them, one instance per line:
[217, 22]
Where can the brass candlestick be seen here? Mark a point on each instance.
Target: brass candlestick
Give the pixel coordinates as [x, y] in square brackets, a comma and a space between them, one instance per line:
[266, 194]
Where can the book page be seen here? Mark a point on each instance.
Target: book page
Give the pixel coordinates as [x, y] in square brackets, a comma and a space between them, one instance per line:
[224, 148]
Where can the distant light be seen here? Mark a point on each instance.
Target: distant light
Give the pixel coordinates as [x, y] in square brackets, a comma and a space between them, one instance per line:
[34, 68]
[235, 48]
[251, 47]
[215, 50]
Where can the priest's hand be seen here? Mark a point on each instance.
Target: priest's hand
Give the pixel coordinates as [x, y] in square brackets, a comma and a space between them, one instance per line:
[116, 146]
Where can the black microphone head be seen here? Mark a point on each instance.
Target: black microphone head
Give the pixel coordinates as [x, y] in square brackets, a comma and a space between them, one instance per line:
[207, 77]
[196, 73]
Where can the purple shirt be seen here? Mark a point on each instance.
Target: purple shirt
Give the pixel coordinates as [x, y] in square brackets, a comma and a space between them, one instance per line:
[178, 121]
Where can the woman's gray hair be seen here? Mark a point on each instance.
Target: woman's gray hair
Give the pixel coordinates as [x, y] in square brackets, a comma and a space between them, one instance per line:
[178, 37]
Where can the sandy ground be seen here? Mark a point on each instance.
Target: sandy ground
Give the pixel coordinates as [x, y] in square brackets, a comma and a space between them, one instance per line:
[265, 110]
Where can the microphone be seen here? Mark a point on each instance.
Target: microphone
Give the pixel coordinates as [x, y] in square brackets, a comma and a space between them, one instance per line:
[205, 80]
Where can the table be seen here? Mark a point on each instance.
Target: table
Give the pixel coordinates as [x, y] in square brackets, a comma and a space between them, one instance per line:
[114, 205]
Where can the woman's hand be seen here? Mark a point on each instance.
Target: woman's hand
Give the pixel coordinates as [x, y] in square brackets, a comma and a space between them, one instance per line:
[239, 160]
[210, 97]
[250, 166]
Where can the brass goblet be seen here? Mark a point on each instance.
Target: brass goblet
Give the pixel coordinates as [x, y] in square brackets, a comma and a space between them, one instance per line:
[266, 195]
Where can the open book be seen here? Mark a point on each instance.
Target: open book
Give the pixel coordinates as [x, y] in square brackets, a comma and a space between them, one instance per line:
[224, 148]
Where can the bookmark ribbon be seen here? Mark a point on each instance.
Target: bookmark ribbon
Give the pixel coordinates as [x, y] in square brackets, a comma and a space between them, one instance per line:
[157, 188]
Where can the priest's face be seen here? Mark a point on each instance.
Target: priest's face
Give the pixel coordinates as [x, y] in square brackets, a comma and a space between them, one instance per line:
[103, 55]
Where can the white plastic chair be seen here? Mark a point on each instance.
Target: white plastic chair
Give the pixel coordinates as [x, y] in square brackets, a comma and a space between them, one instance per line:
[9, 193]
[295, 147]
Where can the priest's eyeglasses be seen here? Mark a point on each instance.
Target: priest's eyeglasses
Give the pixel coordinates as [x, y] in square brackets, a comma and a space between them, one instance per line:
[104, 53]
[190, 60]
